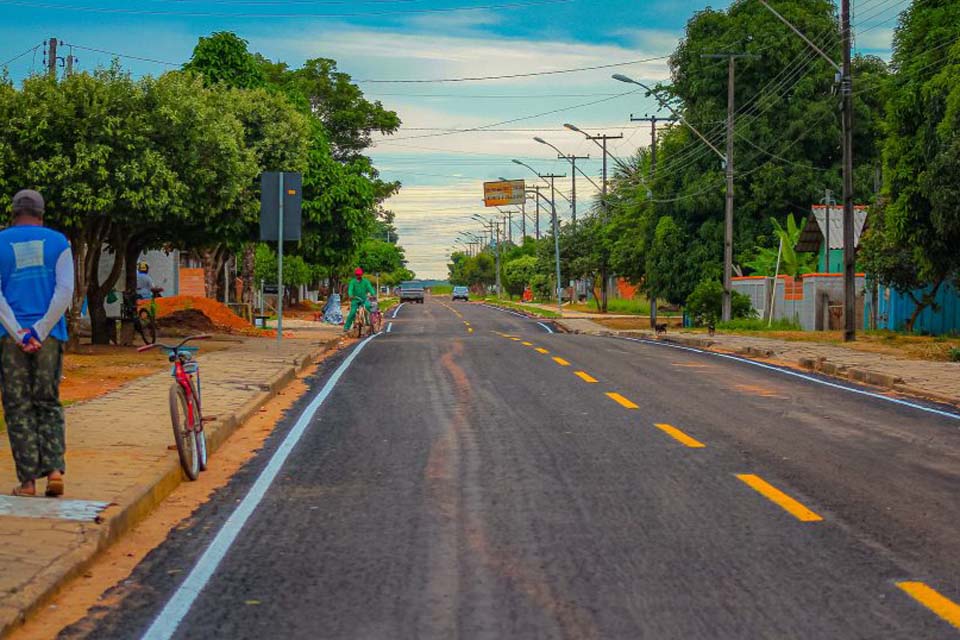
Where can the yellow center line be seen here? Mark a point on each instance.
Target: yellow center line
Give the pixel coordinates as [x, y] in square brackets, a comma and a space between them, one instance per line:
[680, 436]
[469, 329]
[773, 494]
[527, 344]
[515, 339]
[561, 361]
[933, 600]
[583, 375]
[541, 350]
[619, 399]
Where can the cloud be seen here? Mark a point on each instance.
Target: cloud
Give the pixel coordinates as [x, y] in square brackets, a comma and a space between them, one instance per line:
[456, 21]
[876, 39]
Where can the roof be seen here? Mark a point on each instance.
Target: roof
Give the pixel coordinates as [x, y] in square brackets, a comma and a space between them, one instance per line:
[812, 235]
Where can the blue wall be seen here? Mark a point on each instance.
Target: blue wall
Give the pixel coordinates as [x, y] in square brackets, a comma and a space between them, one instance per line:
[895, 309]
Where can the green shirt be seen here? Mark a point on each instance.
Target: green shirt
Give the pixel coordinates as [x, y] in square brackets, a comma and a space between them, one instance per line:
[360, 289]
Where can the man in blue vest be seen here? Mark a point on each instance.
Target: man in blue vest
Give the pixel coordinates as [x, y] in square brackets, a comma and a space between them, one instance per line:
[36, 287]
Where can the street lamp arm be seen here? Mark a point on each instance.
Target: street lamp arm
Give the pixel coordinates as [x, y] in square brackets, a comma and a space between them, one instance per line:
[676, 114]
[802, 37]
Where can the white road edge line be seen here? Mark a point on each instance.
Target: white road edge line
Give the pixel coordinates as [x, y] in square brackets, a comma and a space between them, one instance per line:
[389, 327]
[179, 604]
[795, 374]
[397, 310]
[549, 330]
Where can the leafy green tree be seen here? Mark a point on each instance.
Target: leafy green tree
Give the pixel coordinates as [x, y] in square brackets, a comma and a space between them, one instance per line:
[922, 157]
[379, 256]
[222, 57]
[518, 273]
[669, 275]
[791, 262]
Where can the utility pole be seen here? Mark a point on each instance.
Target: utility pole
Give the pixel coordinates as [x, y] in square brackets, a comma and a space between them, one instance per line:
[653, 169]
[849, 248]
[535, 189]
[556, 237]
[497, 255]
[829, 201]
[846, 90]
[728, 214]
[52, 58]
[573, 177]
[603, 143]
[69, 60]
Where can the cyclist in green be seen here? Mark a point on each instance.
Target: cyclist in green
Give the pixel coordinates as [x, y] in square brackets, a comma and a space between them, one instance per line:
[358, 291]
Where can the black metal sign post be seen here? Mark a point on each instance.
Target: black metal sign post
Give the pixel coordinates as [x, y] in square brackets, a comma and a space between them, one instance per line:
[280, 220]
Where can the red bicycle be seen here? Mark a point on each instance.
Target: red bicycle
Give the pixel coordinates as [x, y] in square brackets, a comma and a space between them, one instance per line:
[185, 406]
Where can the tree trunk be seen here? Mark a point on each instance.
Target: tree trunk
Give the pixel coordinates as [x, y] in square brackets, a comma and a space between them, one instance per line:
[926, 300]
[604, 276]
[100, 328]
[214, 259]
[132, 253]
[80, 250]
[247, 270]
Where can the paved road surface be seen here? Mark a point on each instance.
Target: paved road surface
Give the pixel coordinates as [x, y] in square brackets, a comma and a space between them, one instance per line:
[470, 476]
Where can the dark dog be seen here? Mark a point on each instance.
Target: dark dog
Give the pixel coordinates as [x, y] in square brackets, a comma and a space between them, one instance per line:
[661, 329]
[711, 329]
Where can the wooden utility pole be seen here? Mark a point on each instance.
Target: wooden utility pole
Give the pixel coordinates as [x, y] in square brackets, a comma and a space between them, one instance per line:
[52, 58]
[728, 163]
[653, 168]
[849, 247]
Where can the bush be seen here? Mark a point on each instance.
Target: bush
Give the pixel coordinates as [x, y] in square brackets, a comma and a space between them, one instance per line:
[542, 286]
[954, 354]
[705, 304]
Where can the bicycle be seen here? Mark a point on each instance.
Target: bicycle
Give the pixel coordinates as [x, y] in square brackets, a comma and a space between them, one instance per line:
[376, 316]
[368, 322]
[186, 414]
[362, 321]
[144, 319]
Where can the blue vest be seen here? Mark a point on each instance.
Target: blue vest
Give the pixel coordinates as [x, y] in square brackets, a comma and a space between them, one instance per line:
[28, 264]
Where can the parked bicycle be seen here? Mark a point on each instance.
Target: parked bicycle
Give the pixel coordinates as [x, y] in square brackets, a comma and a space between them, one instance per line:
[186, 414]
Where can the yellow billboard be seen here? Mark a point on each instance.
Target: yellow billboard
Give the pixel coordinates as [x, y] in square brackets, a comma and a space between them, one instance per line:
[503, 192]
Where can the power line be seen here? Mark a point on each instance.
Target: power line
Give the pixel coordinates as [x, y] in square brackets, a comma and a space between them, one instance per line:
[20, 55]
[515, 75]
[123, 55]
[260, 16]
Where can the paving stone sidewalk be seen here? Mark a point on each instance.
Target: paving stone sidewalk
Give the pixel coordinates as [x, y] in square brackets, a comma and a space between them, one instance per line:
[938, 381]
[117, 454]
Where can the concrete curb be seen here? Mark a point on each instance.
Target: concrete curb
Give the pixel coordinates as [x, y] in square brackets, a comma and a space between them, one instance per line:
[818, 365]
[135, 504]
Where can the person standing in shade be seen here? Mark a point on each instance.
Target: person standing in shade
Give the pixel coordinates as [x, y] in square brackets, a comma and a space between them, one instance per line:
[36, 287]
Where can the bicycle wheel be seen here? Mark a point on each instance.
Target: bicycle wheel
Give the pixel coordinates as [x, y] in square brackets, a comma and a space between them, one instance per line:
[377, 322]
[199, 432]
[183, 433]
[147, 328]
[361, 320]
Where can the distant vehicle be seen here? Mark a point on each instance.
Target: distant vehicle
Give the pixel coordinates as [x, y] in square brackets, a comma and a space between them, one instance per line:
[461, 293]
[411, 292]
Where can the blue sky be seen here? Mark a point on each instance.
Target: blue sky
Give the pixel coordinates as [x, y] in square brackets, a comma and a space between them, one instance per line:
[426, 39]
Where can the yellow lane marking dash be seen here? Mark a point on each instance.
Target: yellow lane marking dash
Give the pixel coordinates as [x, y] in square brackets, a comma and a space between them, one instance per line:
[773, 494]
[561, 362]
[680, 436]
[931, 599]
[619, 399]
[466, 323]
[515, 339]
[527, 344]
[469, 329]
[583, 375]
[541, 350]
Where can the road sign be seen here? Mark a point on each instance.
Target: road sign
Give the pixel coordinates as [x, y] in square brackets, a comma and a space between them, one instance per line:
[270, 205]
[271, 289]
[503, 192]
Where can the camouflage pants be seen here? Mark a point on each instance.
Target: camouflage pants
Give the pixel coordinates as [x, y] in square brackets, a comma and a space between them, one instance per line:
[31, 406]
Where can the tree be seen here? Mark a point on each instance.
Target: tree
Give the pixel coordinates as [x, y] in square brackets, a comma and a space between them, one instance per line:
[223, 58]
[916, 243]
[791, 262]
[518, 273]
[669, 275]
[705, 302]
[379, 256]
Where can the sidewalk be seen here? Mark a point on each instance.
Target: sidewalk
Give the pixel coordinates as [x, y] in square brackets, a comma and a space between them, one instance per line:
[119, 467]
[938, 381]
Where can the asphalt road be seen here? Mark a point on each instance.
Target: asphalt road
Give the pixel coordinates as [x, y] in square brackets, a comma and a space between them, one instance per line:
[469, 476]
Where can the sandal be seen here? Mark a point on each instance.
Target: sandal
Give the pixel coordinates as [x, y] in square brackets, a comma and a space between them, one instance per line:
[54, 488]
[20, 492]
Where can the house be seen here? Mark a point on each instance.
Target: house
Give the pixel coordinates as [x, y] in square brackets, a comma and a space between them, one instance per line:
[827, 221]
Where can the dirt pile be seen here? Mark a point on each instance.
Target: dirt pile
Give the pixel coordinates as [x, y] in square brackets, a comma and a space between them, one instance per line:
[202, 314]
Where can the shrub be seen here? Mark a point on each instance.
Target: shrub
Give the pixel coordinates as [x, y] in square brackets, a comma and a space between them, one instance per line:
[954, 354]
[705, 304]
[759, 324]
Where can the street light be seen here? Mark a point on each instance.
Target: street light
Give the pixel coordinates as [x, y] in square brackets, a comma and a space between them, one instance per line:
[573, 173]
[544, 178]
[603, 147]
[556, 228]
[728, 215]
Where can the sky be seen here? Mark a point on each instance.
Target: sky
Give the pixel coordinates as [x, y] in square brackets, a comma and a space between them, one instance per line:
[381, 42]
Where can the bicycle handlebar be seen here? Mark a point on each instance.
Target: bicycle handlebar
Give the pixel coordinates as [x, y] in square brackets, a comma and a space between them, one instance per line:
[147, 347]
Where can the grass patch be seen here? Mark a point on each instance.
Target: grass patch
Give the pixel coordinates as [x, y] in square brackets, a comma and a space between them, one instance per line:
[630, 306]
[954, 354]
[534, 311]
[757, 324]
